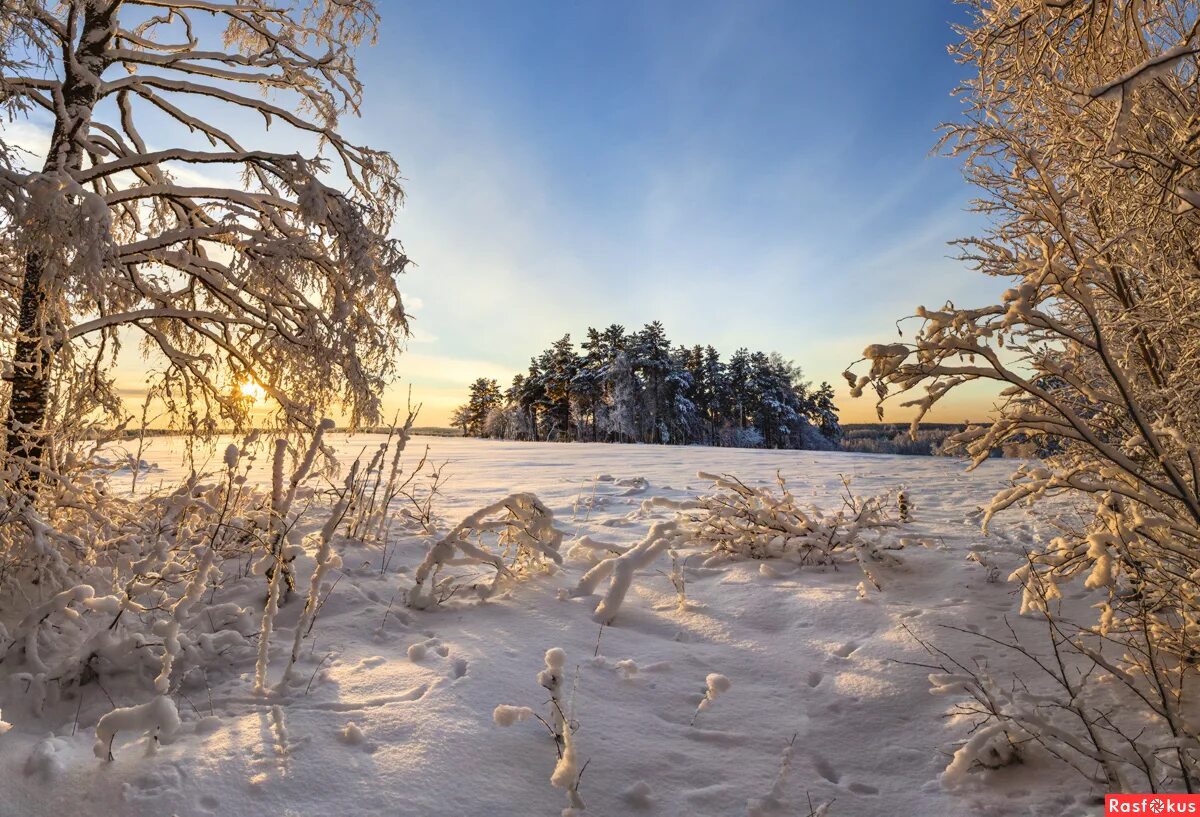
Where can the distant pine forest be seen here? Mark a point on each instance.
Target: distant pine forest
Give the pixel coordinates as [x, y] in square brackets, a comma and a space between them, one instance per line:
[637, 387]
[621, 386]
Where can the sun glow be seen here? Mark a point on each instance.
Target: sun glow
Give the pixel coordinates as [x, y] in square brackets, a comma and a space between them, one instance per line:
[253, 392]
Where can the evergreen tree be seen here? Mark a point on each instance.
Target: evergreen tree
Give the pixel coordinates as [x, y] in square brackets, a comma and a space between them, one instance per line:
[738, 379]
[560, 365]
[652, 362]
[626, 399]
[823, 413]
[716, 376]
[531, 395]
[588, 386]
[680, 418]
[637, 388]
[484, 396]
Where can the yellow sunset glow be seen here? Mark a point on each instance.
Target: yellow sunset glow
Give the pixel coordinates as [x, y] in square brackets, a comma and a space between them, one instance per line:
[253, 392]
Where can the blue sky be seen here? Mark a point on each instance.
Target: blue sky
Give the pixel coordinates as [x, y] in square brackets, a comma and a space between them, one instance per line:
[751, 173]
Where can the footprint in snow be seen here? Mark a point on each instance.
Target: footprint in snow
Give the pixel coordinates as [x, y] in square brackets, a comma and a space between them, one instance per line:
[825, 769]
[161, 781]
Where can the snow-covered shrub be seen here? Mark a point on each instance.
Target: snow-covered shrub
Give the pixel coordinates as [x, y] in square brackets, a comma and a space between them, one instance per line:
[737, 521]
[281, 521]
[734, 437]
[593, 550]
[162, 590]
[678, 578]
[551, 679]
[373, 494]
[139, 568]
[561, 725]
[1074, 717]
[515, 537]
[326, 560]
[157, 718]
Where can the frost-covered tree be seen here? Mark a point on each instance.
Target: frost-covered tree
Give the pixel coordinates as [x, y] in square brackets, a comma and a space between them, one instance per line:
[531, 396]
[522, 419]
[626, 402]
[651, 357]
[231, 255]
[633, 387]
[680, 421]
[1081, 134]
[823, 413]
[738, 379]
[483, 398]
[587, 387]
[560, 366]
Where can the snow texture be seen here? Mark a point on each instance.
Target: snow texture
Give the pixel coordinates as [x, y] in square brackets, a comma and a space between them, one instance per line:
[377, 720]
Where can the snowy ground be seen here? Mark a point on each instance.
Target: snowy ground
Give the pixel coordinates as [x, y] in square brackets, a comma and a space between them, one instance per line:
[398, 717]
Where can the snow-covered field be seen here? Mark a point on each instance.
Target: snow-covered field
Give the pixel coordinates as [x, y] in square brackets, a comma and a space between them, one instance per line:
[398, 717]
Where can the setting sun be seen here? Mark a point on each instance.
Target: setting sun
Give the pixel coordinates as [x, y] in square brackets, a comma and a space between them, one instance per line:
[253, 392]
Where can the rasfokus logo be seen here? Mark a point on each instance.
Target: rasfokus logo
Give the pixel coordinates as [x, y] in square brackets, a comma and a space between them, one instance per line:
[1151, 804]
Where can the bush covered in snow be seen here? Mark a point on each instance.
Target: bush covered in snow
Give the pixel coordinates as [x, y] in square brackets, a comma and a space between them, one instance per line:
[514, 537]
[165, 590]
[738, 521]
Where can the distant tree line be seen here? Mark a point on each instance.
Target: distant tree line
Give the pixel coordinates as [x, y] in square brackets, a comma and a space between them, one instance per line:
[931, 439]
[634, 387]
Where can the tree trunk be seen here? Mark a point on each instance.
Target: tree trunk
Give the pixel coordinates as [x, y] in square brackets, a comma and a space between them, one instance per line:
[25, 432]
[30, 377]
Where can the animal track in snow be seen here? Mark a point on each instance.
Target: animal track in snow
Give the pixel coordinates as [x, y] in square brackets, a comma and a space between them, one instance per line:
[163, 780]
[458, 668]
[716, 738]
[825, 769]
[814, 678]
